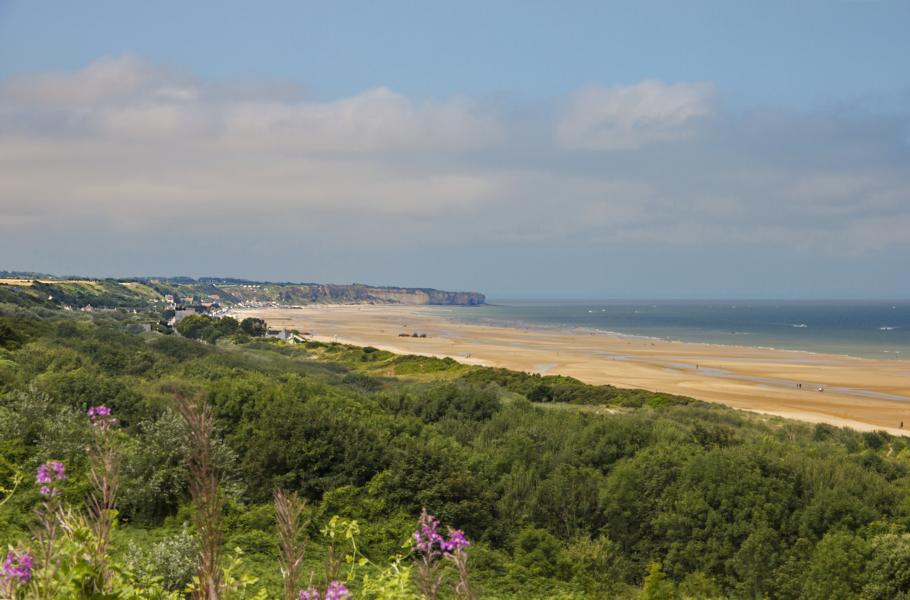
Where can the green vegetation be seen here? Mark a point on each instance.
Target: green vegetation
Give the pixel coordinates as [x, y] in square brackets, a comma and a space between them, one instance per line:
[254, 327]
[105, 293]
[31, 289]
[565, 490]
[206, 328]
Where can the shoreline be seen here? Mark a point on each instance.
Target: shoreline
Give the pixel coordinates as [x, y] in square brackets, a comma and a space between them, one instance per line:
[642, 336]
[862, 393]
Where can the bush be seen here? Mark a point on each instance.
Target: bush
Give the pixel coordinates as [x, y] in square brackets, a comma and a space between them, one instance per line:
[172, 561]
[254, 327]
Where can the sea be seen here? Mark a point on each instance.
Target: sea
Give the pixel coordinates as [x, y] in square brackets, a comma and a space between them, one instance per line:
[869, 328]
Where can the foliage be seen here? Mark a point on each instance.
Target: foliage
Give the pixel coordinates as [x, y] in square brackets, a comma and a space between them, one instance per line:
[565, 490]
[253, 327]
[170, 562]
[206, 328]
[656, 586]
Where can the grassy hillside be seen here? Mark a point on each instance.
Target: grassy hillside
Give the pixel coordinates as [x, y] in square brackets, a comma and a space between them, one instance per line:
[565, 490]
[149, 293]
[105, 293]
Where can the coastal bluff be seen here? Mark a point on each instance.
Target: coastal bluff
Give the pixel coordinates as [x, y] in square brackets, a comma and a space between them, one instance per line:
[36, 289]
[358, 293]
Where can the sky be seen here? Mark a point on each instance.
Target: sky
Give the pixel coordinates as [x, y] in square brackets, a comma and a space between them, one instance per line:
[523, 149]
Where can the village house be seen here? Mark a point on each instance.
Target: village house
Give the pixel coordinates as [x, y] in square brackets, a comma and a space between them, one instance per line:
[278, 334]
[285, 335]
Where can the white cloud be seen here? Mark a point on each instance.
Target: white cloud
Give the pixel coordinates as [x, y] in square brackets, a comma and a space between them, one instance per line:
[376, 120]
[125, 144]
[105, 81]
[629, 117]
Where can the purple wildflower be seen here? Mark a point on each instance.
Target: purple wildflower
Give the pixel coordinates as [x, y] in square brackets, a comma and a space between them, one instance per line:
[427, 536]
[43, 475]
[428, 540]
[431, 549]
[336, 591]
[49, 473]
[309, 594]
[456, 542]
[99, 412]
[17, 568]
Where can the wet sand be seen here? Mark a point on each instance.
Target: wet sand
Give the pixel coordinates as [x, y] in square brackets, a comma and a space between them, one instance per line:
[865, 394]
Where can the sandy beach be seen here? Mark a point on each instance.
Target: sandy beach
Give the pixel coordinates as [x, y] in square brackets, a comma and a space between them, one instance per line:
[865, 394]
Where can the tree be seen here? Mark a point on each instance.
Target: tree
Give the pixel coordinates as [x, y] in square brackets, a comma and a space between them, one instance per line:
[203, 327]
[656, 586]
[222, 327]
[539, 551]
[698, 586]
[566, 502]
[596, 565]
[193, 326]
[837, 566]
[254, 327]
[888, 570]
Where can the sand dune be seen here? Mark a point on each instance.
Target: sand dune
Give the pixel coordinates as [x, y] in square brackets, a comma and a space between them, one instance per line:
[862, 393]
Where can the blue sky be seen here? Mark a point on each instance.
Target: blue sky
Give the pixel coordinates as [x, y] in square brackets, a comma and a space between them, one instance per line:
[599, 149]
[800, 54]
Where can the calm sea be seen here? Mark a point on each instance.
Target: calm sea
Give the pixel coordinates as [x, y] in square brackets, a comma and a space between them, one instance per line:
[875, 329]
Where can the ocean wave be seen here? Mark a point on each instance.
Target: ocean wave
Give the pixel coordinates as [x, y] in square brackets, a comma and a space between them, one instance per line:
[620, 334]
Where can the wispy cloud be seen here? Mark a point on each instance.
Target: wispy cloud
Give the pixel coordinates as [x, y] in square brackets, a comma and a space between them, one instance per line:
[629, 117]
[128, 145]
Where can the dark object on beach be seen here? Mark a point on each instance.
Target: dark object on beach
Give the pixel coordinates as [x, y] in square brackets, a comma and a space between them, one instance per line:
[414, 334]
[423, 335]
[404, 335]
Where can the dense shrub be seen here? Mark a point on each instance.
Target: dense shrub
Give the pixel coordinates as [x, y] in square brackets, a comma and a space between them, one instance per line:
[565, 488]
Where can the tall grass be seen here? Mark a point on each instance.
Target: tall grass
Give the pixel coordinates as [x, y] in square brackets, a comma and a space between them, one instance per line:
[203, 484]
[104, 478]
[291, 549]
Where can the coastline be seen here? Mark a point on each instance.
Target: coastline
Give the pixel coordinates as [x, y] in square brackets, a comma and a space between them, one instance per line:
[862, 393]
[746, 339]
